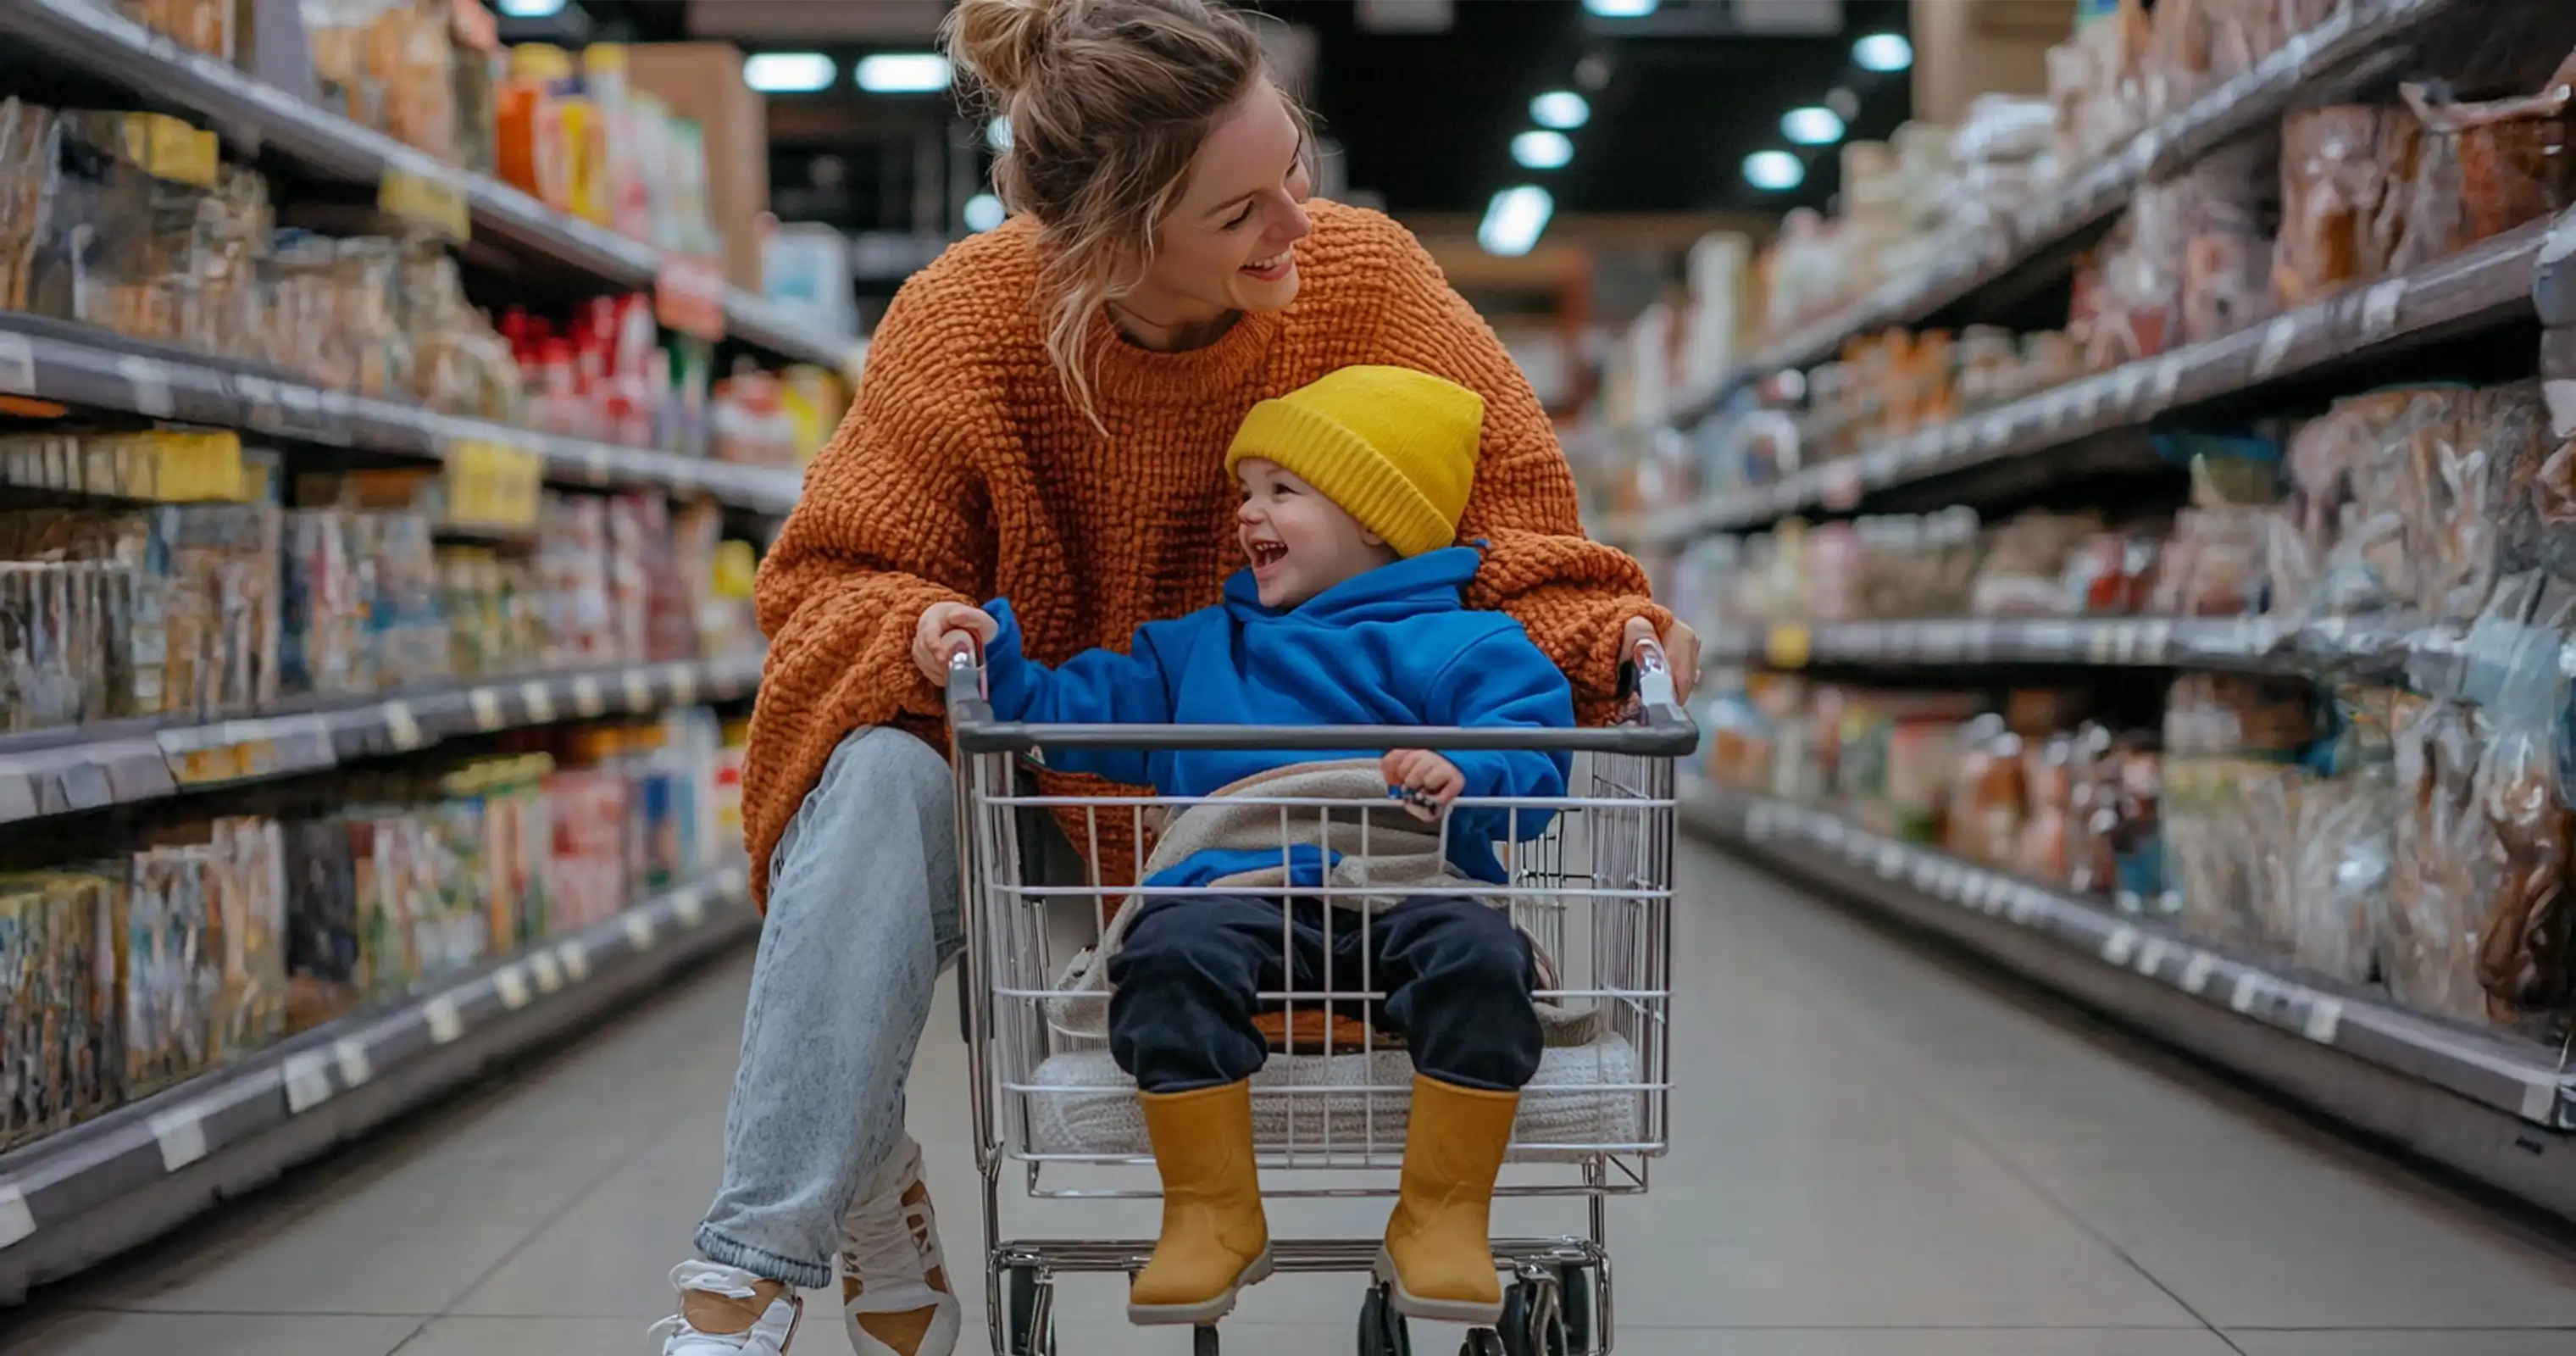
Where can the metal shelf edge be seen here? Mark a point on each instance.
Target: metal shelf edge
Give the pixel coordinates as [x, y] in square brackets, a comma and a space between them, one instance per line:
[57, 1186]
[2518, 1079]
[45, 773]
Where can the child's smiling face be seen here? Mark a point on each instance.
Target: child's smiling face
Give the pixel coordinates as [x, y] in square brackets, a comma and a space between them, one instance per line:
[1299, 542]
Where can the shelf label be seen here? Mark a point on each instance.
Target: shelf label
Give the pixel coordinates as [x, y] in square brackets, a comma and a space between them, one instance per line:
[2196, 973]
[445, 1022]
[684, 685]
[401, 727]
[2379, 308]
[1788, 646]
[2169, 370]
[149, 380]
[351, 1055]
[689, 295]
[639, 929]
[587, 700]
[429, 199]
[182, 1134]
[639, 690]
[576, 960]
[308, 1081]
[17, 365]
[16, 1220]
[487, 708]
[690, 906]
[2325, 1018]
[2122, 943]
[511, 983]
[2249, 990]
[540, 701]
[543, 968]
[2277, 338]
[1839, 485]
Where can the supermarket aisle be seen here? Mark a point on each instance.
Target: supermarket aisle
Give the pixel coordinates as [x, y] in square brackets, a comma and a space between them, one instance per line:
[1876, 1154]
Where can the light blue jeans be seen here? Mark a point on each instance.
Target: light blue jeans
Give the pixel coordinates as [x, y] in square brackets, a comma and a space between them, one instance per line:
[862, 913]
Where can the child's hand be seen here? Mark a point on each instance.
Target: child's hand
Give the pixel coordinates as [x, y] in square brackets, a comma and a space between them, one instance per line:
[1427, 780]
[945, 629]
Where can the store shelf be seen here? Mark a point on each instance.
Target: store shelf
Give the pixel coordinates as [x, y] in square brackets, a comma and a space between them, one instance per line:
[2314, 67]
[87, 767]
[83, 365]
[74, 1198]
[2489, 284]
[2378, 646]
[2491, 1105]
[252, 113]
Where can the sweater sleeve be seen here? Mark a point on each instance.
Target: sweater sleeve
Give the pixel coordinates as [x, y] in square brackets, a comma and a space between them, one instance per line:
[1504, 681]
[1575, 596]
[1100, 687]
[894, 517]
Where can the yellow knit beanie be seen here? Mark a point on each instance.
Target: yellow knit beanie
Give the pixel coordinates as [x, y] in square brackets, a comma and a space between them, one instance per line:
[1394, 447]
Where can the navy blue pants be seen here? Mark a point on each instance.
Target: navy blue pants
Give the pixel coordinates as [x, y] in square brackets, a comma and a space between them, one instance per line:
[1456, 974]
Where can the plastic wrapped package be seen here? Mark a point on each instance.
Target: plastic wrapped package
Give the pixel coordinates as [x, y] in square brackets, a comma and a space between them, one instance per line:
[323, 607]
[2448, 860]
[2515, 158]
[2469, 461]
[2333, 904]
[323, 956]
[2025, 568]
[2219, 815]
[2344, 171]
[1987, 796]
[2523, 958]
[58, 1054]
[2215, 564]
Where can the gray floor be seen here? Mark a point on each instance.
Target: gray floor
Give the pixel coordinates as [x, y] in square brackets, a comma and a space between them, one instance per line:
[1876, 1153]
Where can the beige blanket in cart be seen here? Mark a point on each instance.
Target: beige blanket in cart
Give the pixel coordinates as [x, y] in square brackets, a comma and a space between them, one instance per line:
[1373, 843]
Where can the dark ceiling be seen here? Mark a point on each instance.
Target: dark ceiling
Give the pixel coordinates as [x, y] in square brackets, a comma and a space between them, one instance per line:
[1423, 119]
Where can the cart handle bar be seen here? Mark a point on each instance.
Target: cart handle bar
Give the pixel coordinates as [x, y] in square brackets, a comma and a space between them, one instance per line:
[1656, 726]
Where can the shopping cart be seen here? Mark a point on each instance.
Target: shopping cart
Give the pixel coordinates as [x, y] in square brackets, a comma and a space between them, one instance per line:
[1592, 890]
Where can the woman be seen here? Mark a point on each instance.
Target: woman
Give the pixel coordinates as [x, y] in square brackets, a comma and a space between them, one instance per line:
[1045, 416]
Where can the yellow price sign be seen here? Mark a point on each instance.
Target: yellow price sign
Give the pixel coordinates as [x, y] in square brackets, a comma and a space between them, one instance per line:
[169, 149]
[435, 202]
[1788, 647]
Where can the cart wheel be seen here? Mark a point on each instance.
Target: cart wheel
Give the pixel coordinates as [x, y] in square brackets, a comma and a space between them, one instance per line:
[1028, 1327]
[1482, 1342]
[1203, 1340]
[1533, 1324]
[1582, 1292]
[1383, 1331]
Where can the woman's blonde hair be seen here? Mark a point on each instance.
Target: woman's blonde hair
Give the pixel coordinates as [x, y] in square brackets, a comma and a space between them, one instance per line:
[1108, 101]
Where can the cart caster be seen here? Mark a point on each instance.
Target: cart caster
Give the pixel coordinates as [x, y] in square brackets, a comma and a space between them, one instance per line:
[1383, 1331]
[1583, 1298]
[1203, 1340]
[1482, 1342]
[1533, 1318]
[1028, 1312]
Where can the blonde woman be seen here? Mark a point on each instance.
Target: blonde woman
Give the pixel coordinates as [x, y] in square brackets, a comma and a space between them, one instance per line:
[1045, 416]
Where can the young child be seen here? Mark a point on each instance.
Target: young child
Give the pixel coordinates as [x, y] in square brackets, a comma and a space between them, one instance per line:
[1349, 613]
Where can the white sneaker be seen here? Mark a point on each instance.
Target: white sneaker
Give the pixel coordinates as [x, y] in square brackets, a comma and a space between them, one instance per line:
[727, 1311]
[894, 1280]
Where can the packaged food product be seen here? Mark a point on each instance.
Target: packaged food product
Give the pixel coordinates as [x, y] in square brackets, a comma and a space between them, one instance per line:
[2515, 158]
[2343, 203]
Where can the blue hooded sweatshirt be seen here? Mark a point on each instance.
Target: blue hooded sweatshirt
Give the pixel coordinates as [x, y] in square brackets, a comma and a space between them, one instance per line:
[1394, 646]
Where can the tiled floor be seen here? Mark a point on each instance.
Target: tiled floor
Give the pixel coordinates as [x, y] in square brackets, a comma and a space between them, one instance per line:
[1877, 1155]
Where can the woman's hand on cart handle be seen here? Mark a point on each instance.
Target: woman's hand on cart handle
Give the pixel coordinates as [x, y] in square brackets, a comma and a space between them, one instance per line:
[948, 630]
[1423, 780]
[1676, 652]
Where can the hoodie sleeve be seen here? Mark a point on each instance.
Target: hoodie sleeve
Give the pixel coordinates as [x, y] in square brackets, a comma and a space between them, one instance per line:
[1095, 687]
[1504, 680]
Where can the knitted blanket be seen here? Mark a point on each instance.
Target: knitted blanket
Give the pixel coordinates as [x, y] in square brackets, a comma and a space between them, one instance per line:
[1080, 1104]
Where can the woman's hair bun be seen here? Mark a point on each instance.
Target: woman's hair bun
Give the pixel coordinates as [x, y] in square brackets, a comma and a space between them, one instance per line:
[1000, 42]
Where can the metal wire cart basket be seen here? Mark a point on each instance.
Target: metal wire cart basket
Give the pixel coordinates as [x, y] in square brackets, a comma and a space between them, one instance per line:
[1592, 889]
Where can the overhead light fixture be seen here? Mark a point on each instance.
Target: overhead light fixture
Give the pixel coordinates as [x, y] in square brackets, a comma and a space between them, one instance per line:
[1561, 109]
[531, 9]
[1622, 9]
[1514, 220]
[903, 73]
[1542, 150]
[983, 212]
[788, 72]
[1774, 171]
[1812, 126]
[997, 134]
[1883, 52]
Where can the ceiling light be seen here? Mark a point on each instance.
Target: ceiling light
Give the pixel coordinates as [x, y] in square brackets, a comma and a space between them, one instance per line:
[1561, 109]
[788, 72]
[531, 9]
[983, 212]
[1812, 126]
[1622, 9]
[1883, 52]
[997, 134]
[1774, 171]
[903, 73]
[1514, 220]
[1542, 150]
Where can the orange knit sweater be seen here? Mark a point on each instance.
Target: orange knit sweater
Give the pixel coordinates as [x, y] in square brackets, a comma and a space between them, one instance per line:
[965, 473]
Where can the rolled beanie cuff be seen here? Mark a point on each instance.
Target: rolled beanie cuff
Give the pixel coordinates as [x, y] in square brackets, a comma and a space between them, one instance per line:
[1345, 469]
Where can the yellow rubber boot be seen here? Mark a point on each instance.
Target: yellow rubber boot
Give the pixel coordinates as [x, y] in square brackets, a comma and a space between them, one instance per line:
[1438, 1261]
[1215, 1239]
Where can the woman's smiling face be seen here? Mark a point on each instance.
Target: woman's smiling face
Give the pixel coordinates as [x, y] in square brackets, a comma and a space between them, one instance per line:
[1229, 243]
